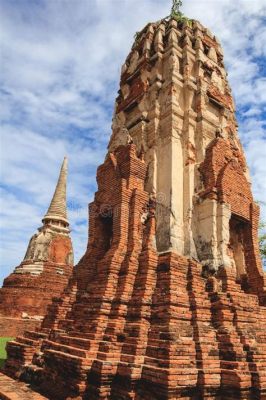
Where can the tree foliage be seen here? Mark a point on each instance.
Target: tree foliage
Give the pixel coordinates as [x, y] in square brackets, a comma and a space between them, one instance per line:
[176, 7]
[178, 15]
[262, 240]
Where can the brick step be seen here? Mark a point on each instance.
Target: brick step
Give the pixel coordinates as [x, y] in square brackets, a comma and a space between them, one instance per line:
[66, 320]
[158, 356]
[24, 340]
[230, 344]
[248, 342]
[181, 343]
[220, 298]
[78, 334]
[226, 329]
[205, 332]
[259, 349]
[135, 361]
[240, 294]
[258, 357]
[260, 338]
[201, 307]
[230, 339]
[43, 330]
[65, 323]
[59, 310]
[129, 340]
[69, 350]
[206, 348]
[81, 343]
[15, 390]
[35, 335]
[258, 366]
[63, 302]
[223, 332]
[184, 376]
[226, 340]
[14, 344]
[180, 363]
[238, 365]
[244, 301]
[261, 374]
[250, 349]
[195, 288]
[19, 354]
[197, 283]
[76, 368]
[58, 331]
[78, 361]
[209, 364]
[181, 353]
[242, 316]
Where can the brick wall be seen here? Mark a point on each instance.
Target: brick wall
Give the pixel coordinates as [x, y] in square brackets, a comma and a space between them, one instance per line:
[12, 327]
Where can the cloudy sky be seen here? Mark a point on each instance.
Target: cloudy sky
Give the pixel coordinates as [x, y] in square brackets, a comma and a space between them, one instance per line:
[60, 67]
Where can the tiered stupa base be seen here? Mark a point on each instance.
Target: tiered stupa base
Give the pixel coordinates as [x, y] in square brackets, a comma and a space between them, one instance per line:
[136, 324]
[187, 338]
[24, 297]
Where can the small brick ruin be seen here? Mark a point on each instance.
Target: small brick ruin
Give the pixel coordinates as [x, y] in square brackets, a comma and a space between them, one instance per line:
[44, 272]
[169, 300]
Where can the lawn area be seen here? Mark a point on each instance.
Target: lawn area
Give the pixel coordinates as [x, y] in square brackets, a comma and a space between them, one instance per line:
[3, 341]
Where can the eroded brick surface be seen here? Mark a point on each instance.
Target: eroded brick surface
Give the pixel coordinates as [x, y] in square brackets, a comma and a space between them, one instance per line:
[12, 390]
[25, 293]
[12, 327]
[168, 301]
[137, 324]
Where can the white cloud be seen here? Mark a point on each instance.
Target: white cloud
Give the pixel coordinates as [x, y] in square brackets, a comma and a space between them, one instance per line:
[60, 70]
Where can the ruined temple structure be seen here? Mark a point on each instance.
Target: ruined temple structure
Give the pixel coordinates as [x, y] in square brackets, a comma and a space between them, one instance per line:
[169, 300]
[43, 273]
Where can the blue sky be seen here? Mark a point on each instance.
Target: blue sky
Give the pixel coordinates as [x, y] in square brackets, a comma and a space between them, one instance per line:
[60, 67]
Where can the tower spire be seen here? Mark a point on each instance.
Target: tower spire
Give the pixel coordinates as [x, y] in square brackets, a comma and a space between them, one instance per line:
[57, 210]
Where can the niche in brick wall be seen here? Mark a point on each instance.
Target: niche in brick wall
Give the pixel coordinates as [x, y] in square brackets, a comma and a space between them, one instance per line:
[105, 231]
[237, 245]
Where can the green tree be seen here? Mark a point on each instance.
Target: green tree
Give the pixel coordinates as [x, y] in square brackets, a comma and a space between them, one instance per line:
[262, 240]
[262, 237]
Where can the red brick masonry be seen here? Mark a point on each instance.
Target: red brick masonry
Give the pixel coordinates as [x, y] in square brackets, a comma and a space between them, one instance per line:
[12, 390]
[135, 324]
[25, 297]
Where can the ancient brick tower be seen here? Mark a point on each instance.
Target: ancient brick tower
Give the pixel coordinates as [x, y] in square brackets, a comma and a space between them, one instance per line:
[169, 300]
[43, 273]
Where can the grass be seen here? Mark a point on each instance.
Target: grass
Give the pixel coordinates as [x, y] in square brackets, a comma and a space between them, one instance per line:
[3, 341]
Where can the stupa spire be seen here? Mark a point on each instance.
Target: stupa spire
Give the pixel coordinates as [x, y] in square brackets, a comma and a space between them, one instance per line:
[58, 210]
[45, 269]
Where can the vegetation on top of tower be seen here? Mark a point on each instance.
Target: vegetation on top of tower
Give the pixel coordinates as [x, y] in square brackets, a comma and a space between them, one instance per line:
[175, 14]
[175, 10]
[138, 34]
[178, 15]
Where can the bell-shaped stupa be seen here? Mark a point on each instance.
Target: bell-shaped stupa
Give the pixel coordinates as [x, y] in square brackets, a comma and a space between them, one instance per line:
[44, 272]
